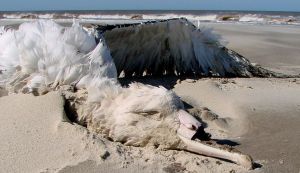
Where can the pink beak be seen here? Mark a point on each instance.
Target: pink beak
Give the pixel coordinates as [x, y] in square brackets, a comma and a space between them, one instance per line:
[188, 124]
[188, 129]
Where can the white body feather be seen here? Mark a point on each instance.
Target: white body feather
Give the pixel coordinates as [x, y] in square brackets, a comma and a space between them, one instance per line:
[52, 54]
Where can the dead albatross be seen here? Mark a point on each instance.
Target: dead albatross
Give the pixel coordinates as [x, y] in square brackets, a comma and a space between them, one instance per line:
[42, 56]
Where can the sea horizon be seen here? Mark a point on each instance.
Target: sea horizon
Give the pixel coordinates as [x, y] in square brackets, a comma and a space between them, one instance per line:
[232, 16]
[150, 10]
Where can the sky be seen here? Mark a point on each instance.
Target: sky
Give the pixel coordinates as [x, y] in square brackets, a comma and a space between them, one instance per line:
[257, 5]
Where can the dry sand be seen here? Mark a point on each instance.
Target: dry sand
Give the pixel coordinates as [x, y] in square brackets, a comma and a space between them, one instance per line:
[36, 136]
[263, 115]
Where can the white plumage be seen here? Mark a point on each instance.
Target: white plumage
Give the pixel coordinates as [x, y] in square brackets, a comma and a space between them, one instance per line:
[52, 54]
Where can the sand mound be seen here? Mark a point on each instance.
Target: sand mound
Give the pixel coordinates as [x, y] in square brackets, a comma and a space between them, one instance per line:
[36, 135]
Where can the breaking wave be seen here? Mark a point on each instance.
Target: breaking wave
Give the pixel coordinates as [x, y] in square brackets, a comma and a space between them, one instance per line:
[194, 16]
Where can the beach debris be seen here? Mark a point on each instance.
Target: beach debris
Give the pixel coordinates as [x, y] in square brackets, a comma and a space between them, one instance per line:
[205, 161]
[105, 155]
[218, 162]
[232, 171]
[175, 167]
[190, 80]
[281, 161]
[229, 18]
[136, 16]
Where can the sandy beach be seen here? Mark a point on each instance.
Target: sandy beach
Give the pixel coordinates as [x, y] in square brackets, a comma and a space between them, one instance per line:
[261, 116]
[274, 47]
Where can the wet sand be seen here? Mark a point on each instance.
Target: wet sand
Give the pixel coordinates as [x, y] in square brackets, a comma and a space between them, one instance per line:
[275, 47]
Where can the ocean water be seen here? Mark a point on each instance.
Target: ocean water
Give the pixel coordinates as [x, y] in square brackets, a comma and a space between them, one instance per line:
[253, 17]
